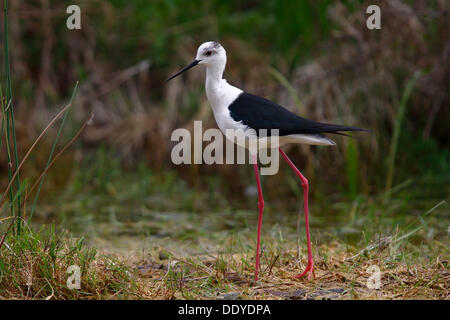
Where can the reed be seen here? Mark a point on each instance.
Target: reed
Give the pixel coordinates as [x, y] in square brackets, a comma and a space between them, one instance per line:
[397, 128]
[8, 117]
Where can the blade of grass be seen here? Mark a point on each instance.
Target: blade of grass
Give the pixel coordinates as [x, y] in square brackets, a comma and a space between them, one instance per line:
[3, 110]
[2, 201]
[352, 168]
[397, 127]
[49, 165]
[11, 112]
[1, 130]
[55, 143]
[285, 83]
[8, 154]
[75, 137]
[425, 214]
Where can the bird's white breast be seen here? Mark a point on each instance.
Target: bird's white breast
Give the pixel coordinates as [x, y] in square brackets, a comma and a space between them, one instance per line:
[220, 95]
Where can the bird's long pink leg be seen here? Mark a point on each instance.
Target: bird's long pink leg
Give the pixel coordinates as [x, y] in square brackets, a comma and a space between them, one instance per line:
[310, 267]
[261, 209]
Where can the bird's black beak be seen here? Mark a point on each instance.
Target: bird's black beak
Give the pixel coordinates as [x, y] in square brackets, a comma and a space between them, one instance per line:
[191, 65]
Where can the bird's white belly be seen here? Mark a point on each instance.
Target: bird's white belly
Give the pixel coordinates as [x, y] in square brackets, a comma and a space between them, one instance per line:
[244, 136]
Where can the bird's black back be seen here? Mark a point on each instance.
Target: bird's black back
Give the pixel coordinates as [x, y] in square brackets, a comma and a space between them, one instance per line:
[259, 113]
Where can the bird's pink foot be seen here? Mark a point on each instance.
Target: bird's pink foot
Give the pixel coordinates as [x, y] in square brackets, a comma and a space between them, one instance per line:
[309, 270]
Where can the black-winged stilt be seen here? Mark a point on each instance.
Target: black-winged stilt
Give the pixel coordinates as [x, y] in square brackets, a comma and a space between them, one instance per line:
[237, 110]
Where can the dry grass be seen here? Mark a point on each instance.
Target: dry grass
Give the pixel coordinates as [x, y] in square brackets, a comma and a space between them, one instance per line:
[38, 274]
[230, 276]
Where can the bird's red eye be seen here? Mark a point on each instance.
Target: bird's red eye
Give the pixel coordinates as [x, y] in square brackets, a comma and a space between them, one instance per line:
[208, 53]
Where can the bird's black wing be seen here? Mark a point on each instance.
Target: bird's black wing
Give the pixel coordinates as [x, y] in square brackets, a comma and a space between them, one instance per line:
[259, 113]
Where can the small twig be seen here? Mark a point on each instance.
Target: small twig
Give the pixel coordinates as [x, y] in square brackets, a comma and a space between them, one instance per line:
[184, 279]
[270, 267]
[113, 83]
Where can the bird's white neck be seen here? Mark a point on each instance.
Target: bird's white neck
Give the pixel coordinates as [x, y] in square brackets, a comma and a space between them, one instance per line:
[214, 73]
[220, 94]
[213, 85]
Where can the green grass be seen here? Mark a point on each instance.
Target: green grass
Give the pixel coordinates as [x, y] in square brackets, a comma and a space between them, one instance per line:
[35, 265]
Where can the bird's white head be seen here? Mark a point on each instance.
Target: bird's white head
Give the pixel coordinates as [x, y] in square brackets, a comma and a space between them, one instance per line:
[211, 54]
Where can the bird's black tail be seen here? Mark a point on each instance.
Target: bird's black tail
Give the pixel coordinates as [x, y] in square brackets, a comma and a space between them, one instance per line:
[337, 129]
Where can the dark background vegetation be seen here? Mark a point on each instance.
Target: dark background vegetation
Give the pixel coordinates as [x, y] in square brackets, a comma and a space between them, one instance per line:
[315, 57]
